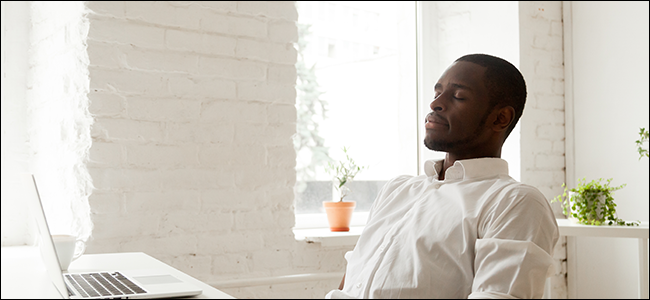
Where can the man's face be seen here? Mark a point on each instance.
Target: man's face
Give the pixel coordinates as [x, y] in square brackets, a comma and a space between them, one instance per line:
[460, 109]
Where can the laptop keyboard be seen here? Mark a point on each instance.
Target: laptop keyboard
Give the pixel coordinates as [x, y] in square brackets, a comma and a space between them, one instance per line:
[102, 284]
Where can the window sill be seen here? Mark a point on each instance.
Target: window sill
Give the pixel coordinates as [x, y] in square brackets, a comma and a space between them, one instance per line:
[313, 228]
[327, 238]
[319, 220]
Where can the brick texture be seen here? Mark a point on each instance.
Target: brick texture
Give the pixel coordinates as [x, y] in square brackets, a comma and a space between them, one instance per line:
[542, 124]
[192, 155]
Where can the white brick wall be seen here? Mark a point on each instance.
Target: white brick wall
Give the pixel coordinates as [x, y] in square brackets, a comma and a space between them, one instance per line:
[542, 124]
[192, 156]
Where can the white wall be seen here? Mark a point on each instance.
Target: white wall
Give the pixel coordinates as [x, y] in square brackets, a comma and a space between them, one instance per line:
[192, 156]
[15, 148]
[610, 76]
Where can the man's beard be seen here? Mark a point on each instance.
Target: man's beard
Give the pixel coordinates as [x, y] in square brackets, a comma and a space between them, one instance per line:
[447, 146]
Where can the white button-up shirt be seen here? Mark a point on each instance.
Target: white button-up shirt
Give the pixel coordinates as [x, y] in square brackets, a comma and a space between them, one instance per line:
[478, 233]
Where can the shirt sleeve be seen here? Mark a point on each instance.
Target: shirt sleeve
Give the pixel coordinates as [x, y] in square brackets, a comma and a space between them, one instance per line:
[514, 253]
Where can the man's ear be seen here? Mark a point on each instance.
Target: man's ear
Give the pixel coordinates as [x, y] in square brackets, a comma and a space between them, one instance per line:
[505, 116]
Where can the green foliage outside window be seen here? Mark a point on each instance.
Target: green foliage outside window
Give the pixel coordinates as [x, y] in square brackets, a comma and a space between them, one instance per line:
[643, 137]
[310, 110]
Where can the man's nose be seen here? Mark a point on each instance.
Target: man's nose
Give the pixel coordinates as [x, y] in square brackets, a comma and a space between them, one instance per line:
[437, 103]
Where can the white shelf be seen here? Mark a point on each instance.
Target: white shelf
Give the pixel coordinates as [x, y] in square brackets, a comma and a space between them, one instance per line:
[568, 228]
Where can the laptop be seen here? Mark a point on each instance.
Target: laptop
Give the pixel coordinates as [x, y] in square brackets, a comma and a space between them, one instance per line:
[145, 283]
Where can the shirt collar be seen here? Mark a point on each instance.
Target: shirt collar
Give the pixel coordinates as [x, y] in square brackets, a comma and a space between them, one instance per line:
[468, 168]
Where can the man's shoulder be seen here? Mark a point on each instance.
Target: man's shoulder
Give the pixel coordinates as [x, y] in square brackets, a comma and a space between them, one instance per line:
[524, 189]
[518, 193]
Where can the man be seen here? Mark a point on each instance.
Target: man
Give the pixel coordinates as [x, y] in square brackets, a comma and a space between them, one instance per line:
[466, 228]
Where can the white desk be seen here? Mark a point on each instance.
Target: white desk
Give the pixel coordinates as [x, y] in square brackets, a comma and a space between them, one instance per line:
[18, 262]
[572, 230]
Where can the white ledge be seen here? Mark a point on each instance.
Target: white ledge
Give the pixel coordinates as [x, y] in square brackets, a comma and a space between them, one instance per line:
[568, 228]
[328, 238]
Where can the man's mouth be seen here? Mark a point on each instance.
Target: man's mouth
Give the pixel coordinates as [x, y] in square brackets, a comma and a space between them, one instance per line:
[433, 120]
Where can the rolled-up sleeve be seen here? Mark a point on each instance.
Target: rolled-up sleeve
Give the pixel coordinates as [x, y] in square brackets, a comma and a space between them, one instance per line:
[514, 254]
[509, 269]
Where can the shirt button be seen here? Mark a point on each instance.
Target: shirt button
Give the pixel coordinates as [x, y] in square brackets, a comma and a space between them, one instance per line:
[381, 248]
[359, 285]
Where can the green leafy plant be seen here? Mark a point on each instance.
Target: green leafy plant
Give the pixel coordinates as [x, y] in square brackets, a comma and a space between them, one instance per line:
[343, 173]
[643, 137]
[592, 203]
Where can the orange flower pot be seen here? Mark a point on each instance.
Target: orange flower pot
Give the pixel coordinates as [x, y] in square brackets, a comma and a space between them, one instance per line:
[339, 214]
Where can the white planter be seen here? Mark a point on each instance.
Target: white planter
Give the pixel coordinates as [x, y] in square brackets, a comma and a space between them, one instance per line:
[599, 209]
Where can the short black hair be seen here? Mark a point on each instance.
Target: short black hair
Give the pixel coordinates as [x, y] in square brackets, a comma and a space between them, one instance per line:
[505, 84]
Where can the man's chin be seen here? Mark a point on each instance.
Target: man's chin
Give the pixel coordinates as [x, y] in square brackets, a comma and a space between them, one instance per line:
[436, 145]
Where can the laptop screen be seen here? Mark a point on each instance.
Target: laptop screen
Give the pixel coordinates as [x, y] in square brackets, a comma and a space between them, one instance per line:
[43, 237]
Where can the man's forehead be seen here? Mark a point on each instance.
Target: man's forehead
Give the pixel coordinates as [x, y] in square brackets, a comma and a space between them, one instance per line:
[463, 74]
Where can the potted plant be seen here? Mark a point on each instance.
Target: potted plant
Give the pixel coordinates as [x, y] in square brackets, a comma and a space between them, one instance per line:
[339, 212]
[591, 203]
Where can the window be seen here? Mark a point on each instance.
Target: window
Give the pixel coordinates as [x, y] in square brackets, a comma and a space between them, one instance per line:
[358, 92]
[366, 84]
